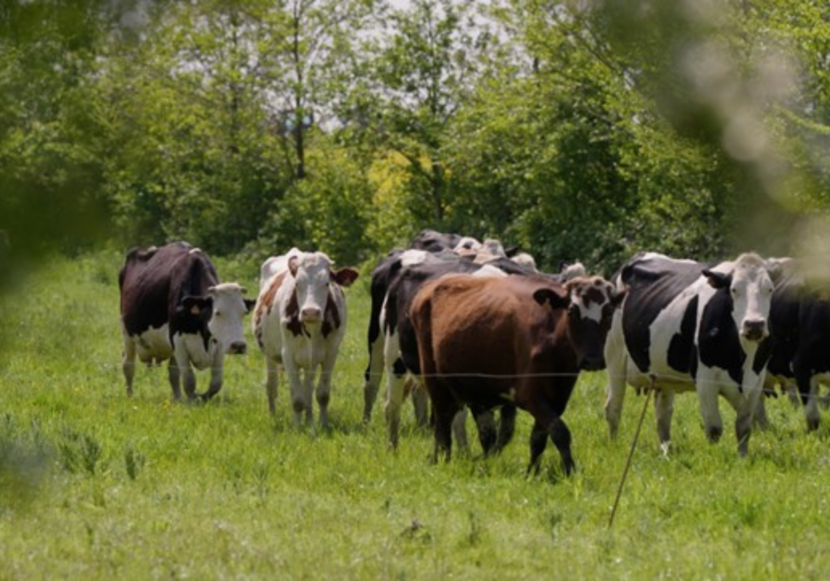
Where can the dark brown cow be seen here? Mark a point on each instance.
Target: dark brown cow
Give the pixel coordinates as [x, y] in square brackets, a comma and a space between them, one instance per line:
[485, 342]
[174, 307]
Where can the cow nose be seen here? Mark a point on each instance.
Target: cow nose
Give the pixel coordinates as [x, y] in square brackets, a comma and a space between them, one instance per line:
[310, 314]
[594, 363]
[238, 348]
[755, 329]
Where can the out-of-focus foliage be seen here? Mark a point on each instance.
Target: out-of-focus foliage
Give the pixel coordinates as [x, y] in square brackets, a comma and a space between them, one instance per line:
[575, 129]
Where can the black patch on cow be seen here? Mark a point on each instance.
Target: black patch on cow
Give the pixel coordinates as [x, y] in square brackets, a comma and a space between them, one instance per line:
[718, 339]
[433, 241]
[153, 284]
[653, 283]
[292, 316]
[331, 316]
[398, 367]
[682, 355]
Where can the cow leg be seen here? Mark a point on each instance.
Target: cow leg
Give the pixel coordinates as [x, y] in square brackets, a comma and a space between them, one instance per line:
[486, 425]
[271, 381]
[297, 399]
[538, 443]
[811, 410]
[308, 393]
[323, 391]
[459, 431]
[707, 395]
[507, 425]
[174, 375]
[446, 408]
[216, 376]
[663, 409]
[759, 418]
[395, 379]
[128, 364]
[744, 406]
[420, 403]
[615, 359]
[373, 377]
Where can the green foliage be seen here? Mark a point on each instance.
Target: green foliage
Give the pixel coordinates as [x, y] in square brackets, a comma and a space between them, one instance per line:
[330, 210]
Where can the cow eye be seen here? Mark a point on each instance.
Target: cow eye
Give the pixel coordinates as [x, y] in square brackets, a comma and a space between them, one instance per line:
[218, 314]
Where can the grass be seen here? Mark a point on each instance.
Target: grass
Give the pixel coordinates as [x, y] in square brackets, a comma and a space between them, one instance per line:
[99, 486]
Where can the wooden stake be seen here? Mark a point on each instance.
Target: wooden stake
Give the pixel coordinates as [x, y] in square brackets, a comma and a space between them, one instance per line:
[631, 454]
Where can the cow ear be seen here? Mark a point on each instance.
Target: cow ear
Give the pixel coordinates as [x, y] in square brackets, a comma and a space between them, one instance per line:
[550, 299]
[717, 279]
[775, 270]
[196, 305]
[249, 304]
[293, 265]
[344, 276]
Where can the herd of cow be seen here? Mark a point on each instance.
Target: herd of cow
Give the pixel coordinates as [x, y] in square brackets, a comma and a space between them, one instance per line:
[485, 331]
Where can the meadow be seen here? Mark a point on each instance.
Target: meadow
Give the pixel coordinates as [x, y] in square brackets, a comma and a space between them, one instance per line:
[96, 485]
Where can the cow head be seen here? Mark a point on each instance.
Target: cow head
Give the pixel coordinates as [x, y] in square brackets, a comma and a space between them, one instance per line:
[590, 302]
[313, 275]
[750, 288]
[227, 308]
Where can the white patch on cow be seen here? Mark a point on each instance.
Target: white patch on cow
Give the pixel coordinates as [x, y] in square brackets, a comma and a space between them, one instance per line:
[494, 248]
[229, 308]
[489, 271]
[413, 257]
[153, 344]
[467, 243]
[572, 271]
[751, 291]
[657, 255]
[311, 283]
[526, 260]
[191, 347]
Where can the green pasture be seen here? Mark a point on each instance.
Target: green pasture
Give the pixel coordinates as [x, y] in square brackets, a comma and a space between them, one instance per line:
[94, 485]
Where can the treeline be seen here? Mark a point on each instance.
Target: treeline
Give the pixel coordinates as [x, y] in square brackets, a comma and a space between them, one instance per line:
[576, 130]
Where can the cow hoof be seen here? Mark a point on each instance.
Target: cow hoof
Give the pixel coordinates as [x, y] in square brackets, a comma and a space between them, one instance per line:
[664, 449]
[812, 425]
[714, 434]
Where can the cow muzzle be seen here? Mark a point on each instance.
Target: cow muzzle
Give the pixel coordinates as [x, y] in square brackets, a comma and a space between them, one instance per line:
[592, 363]
[238, 348]
[311, 315]
[754, 330]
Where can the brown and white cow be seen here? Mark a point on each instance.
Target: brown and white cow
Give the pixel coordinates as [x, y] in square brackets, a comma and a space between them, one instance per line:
[299, 322]
[487, 342]
[174, 307]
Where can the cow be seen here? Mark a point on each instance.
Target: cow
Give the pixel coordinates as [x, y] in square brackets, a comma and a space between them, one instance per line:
[383, 275]
[433, 241]
[800, 321]
[174, 308]
[517, 341]
[299, 322]
[400, 349]
[688, 325]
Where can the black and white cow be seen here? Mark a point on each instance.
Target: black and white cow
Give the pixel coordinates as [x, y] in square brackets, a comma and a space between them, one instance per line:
[800, 319]
[174, 307]
[689, 325]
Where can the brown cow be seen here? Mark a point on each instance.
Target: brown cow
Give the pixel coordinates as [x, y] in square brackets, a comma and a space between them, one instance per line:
[485, 342]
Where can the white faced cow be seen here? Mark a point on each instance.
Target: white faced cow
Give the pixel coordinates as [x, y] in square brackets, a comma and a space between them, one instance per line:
[173, 307]
[688, 325]
[299, 322]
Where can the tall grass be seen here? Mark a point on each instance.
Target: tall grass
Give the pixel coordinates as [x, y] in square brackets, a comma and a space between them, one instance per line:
[99, 486]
